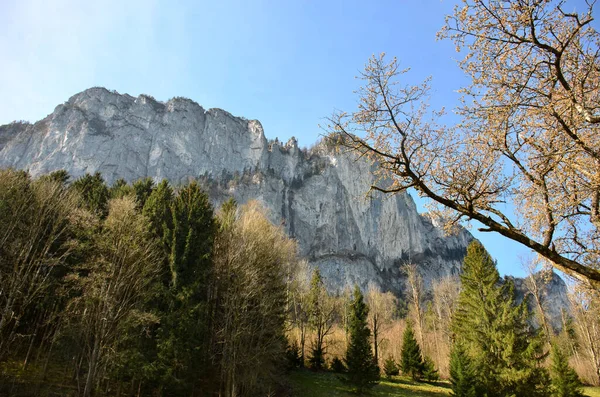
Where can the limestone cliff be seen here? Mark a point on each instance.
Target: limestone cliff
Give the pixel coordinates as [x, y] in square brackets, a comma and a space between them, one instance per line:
[317, 194]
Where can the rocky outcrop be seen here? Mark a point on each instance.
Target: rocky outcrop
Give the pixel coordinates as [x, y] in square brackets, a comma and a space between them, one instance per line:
[318, 195]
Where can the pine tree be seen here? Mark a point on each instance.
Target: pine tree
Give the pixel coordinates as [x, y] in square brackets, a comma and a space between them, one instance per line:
[565, 382]
[94, 193]
[390, 367]
[362, 370]
[495, 331]
[463, 376]
[411, 359]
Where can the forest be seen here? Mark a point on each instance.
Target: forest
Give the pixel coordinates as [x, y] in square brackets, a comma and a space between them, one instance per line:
[146, 289]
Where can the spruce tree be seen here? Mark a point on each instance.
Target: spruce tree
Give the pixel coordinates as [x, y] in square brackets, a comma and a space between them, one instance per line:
[429, 372]
[463, 376]
[94, 193]
[362, 370]
[390, 367]
[143, 189]
[565, 382]
[321, 310]
[188, 236]
[504, 349]
[411, 359]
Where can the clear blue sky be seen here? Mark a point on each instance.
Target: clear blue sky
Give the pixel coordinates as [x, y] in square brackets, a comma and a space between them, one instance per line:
[286, 63]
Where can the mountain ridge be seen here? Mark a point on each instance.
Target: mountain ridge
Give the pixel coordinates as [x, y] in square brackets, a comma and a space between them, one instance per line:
[317, 194]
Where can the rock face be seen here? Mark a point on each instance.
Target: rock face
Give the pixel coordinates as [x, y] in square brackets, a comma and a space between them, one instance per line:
[318, 195]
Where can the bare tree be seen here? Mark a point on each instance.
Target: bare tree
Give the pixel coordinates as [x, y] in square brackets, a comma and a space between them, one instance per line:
[298, 302]
[114, 284]
[529, 133]
[35, 238]
[445, 295]
[585, 306]
[415, 295]
[252, 259]
[381, 314]
[536, 282]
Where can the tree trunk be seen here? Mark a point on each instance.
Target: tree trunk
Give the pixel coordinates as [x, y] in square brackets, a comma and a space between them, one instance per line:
[375, 341]
[89, 383]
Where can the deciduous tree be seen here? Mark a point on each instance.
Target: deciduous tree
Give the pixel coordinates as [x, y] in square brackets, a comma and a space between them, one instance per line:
[529, 133]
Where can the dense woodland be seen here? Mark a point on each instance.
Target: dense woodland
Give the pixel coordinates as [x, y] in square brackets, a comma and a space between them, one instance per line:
[145, 289]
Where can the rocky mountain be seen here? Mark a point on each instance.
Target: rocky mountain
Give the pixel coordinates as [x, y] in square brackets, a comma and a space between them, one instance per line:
[318, 195]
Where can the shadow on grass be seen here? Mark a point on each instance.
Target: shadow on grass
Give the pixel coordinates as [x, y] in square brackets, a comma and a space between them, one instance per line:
[326, 384]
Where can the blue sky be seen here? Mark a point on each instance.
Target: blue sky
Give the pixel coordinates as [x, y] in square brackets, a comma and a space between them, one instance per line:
[288, 64]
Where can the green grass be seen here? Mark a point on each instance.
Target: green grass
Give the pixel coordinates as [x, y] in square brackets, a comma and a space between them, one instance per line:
[592, 391]
[321, 384]
[325, 384]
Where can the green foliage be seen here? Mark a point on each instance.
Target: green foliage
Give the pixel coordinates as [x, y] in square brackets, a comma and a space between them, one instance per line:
[120, 189]
[411, 359]
[293, 355]
[565, 382]
[321, 310]
[463, 375]
[183, 334]
[390, 368]
[60, 176]
[192, 239]
[316, 358]
[362, 371]
[337, 365]
[94, 193]
[143, 189]
[495, 331]
[429, 372]
[122, 296]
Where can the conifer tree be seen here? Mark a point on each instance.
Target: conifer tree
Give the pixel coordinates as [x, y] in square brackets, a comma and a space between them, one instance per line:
[362, 370]
[495, 331]
[463, 376]
[183, 334]
[119, 189]
[411, 360]
[143, 189]
[429, 372]
[390, 367]
[158, 211]
[565, 382]
[94, 193]
[321, 317]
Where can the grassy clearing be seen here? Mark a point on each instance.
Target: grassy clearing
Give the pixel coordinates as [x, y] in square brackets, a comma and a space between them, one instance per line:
[306, 383]
[325, 384]
[592, 391]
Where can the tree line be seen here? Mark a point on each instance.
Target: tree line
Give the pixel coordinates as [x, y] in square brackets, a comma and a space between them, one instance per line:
[137, 289]
[472, 330]
[145, 289]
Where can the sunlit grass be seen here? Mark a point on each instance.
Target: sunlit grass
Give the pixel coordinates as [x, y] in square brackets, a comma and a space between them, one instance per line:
[306, 383]
[592, 391]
